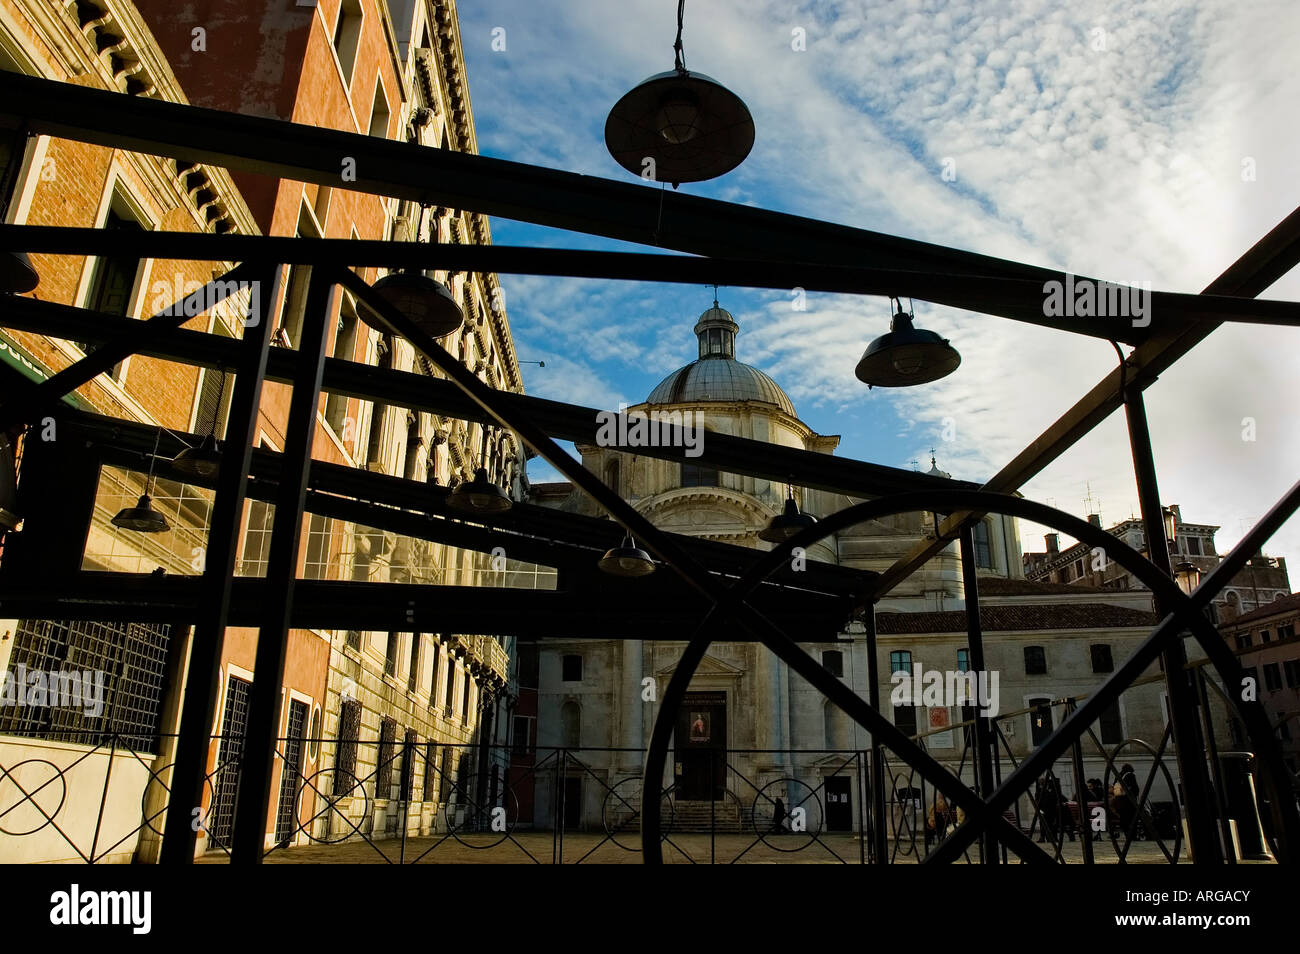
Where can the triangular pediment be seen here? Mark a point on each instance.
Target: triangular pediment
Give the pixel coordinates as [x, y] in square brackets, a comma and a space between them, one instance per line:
[709, 666]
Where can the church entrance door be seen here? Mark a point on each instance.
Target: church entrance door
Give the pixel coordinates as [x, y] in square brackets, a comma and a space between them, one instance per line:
[701, 744]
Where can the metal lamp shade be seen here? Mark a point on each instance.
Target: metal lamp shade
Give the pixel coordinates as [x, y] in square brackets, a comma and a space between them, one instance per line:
[787, 523]
[906, 356]
[142, 518]
[627, 559]
[16, 273]
[429, 304]
[692, 126]
[201, 461]
[480, 495]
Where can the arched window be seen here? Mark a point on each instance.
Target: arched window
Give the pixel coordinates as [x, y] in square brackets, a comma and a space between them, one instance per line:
[571, 724]
[612, 476]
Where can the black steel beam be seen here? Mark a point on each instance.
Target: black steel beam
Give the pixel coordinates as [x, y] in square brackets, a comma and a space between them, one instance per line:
[275, 619]
[212, 600]
[621, 210]
[1017, 299]
[649, 609]
[983, 754]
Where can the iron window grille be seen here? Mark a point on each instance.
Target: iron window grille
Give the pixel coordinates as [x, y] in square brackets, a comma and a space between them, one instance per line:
[384, 768]
[102, 678]
[345, 761]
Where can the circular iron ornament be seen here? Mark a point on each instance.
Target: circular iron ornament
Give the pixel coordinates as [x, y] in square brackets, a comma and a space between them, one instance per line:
[331, 800]
[63, 795]
[1112, 773]
[156, 776]
[768, 809]
[455, 831]
[732, 600]
[630, 800]
[712, 125]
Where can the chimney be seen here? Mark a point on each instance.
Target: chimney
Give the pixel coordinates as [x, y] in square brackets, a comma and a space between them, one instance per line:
[1053, 543]
[1095, 520]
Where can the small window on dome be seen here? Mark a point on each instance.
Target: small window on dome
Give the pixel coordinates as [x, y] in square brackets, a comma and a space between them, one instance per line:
[715, 341]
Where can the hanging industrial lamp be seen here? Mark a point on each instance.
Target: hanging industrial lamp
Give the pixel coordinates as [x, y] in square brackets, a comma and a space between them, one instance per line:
[205, 459]
[906, 355]
[428, 303]
[787, 524]
[627, 559]
[16, 273]
[679, 126]
[480, 495]
[143, 518]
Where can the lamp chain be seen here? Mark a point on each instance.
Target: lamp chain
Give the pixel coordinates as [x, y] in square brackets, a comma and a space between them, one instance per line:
[679, 57]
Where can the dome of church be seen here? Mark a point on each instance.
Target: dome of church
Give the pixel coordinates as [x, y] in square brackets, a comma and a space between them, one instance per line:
[716, 375]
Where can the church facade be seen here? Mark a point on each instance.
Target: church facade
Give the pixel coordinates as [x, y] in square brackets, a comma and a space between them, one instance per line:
[751, 730]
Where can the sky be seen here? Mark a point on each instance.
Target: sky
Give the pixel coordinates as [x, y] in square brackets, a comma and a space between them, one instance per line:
[1135, 141]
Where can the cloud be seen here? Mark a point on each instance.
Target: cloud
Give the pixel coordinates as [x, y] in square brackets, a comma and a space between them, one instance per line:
[1135, 141]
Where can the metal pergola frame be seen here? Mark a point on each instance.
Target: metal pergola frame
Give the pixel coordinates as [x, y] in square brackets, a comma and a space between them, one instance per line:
[746, 247]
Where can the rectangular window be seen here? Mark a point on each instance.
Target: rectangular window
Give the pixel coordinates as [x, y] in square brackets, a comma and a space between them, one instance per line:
[408, 763]
[1244, 641]
[1292, 670]
[433, 675]
[900, 660]
[522, 736]
[430, 761]
[213, 402]
[449, 697]
[257, 538]
[413, 676]
[571, 668]
[1272, 677]
[1101, 658]
[345, 349]
[983, 549]
[464, 701]
[1035, 661]
[353, 639]
[698, 475]
[1112, 729]
[1286, 632]
[295, 298]
[345, 760]
[833, 662]
[316, 561]
[1194, 546]
[905, 719]
[387, 755]
[390, 653]
[379, 113]
[1264, 636]
[963, 660]
[113, 280]
[347, 37]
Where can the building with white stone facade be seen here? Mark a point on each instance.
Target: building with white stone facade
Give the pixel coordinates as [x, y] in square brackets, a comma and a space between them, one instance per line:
[750, 725]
